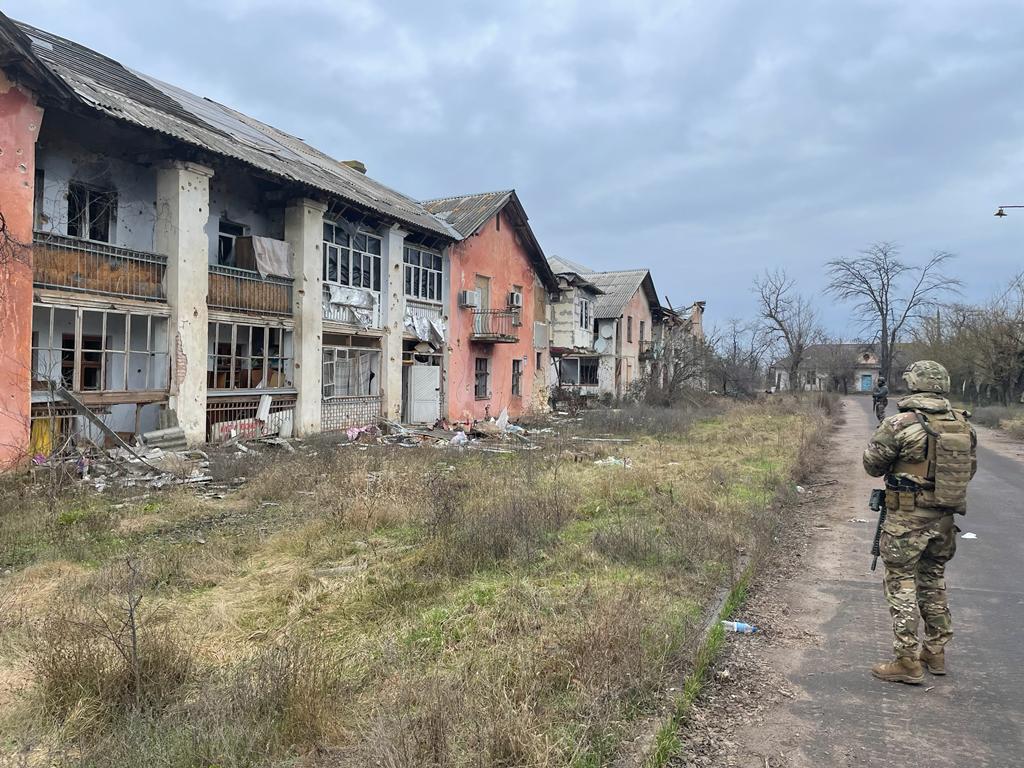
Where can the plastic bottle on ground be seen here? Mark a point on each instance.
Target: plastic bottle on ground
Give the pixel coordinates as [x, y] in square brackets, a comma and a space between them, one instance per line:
[739, 626]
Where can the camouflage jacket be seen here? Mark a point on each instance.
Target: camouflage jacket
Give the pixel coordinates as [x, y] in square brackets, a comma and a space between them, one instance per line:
[901, 437]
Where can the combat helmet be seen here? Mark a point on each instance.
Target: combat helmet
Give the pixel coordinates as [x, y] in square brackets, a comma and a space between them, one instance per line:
[927, 376]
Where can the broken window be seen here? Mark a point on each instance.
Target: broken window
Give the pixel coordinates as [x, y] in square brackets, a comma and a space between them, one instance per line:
[578, 371]
[242, 356]
[350, 372]
[351, 261]
[481, 371]
[642, 331]
[422, 274]
[517, 377]
[585, 315]
[629, 329]
[99, 351]
[38, 214]
[91, 212]
[227, 233]
[588, 371]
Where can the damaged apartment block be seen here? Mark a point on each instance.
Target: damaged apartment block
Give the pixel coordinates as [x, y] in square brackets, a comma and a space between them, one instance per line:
[192, 267]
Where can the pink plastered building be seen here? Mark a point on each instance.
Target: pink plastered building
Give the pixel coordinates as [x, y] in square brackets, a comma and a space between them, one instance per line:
[498, 297]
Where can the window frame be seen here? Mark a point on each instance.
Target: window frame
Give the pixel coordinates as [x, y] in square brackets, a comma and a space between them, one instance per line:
[228, 260]
[331, 356]
[82, 221]
[346, 246]
[482, 378]
[585, 317]
[591, 363]
[629, 329]
[418, 280]
[240, 342]
[71, 359]
[517, 377]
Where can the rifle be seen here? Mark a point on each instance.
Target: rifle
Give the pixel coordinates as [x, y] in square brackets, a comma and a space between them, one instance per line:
[877, 504]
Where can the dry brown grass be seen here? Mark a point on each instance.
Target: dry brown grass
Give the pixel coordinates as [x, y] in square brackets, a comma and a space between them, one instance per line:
[394, 607]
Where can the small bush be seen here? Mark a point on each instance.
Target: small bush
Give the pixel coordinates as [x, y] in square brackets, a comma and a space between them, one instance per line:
[477, 524]
[77, 667]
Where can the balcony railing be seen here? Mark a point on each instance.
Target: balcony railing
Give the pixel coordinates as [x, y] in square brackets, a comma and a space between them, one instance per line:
[500, 326]
[243, 291]
[70, 264]
[646, 350]
[366, 314]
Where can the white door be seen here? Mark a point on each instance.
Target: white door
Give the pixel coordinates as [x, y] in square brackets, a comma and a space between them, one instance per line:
[425, 389]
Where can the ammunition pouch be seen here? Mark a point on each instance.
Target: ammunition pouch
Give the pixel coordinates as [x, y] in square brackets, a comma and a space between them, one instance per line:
[900, 495]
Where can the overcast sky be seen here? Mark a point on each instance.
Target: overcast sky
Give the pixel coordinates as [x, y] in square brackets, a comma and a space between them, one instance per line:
[705, 141]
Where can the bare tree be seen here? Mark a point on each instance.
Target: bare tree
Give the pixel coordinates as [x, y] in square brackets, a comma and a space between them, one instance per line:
[788, 319]
[838, 356]
[737, 364]
[874, 281]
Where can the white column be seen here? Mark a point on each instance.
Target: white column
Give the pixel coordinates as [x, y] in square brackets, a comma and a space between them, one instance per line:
[182, 210]
[393, 319]
[304, 231]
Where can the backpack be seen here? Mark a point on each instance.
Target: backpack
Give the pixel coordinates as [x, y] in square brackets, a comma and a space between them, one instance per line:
[949, 459]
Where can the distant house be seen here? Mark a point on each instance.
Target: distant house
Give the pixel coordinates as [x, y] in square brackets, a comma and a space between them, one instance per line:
[851, 367]
[500, 279]
[575, 360]
[625, 307]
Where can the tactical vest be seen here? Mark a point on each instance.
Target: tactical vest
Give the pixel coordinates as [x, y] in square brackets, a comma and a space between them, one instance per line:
[947, 465]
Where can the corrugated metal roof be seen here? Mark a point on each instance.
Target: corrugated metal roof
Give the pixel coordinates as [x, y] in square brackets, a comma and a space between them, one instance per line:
[618, 288]
[561, 265]
[107, 86]
[467, 213]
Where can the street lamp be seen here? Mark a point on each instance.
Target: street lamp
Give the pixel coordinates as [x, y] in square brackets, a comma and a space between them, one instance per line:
[1001, 213]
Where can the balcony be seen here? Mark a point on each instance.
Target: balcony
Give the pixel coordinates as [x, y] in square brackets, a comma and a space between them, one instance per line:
[646, 350]
[70, 264]
[240, 290]
[351, 306]
[495, 326]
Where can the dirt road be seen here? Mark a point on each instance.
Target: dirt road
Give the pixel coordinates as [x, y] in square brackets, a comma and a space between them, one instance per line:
[802, 695]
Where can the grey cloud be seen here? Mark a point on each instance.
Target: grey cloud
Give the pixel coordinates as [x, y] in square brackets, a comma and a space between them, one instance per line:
[708, 141]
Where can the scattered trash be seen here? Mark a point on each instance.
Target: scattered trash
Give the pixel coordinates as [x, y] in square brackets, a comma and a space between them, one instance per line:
[801, 489]
[856, 520]
[612, 461]
[502, 422]
[459, 438]
[969, 536]
[739, 626]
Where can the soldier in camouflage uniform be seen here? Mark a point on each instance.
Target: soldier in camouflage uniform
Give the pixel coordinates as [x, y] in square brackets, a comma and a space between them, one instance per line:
[927, 454]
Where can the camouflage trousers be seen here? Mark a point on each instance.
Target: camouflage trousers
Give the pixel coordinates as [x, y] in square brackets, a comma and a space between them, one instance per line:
[915, 547]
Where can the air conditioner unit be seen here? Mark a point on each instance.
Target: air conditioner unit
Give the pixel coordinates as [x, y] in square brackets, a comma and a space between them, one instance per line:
[515, 299]
[469, 299]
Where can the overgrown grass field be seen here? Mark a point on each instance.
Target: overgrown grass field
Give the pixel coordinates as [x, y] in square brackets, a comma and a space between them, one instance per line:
[387, 606]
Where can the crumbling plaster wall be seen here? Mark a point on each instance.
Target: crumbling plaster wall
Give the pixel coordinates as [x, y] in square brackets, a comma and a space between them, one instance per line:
[63, 161]
[236, 197]
[20, 120]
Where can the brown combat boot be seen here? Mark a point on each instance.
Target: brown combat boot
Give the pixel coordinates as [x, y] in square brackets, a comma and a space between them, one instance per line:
[902, 670]
[934, 662]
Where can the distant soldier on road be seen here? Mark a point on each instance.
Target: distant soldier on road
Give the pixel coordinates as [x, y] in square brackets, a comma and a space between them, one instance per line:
[880, 398]
[927, 454]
